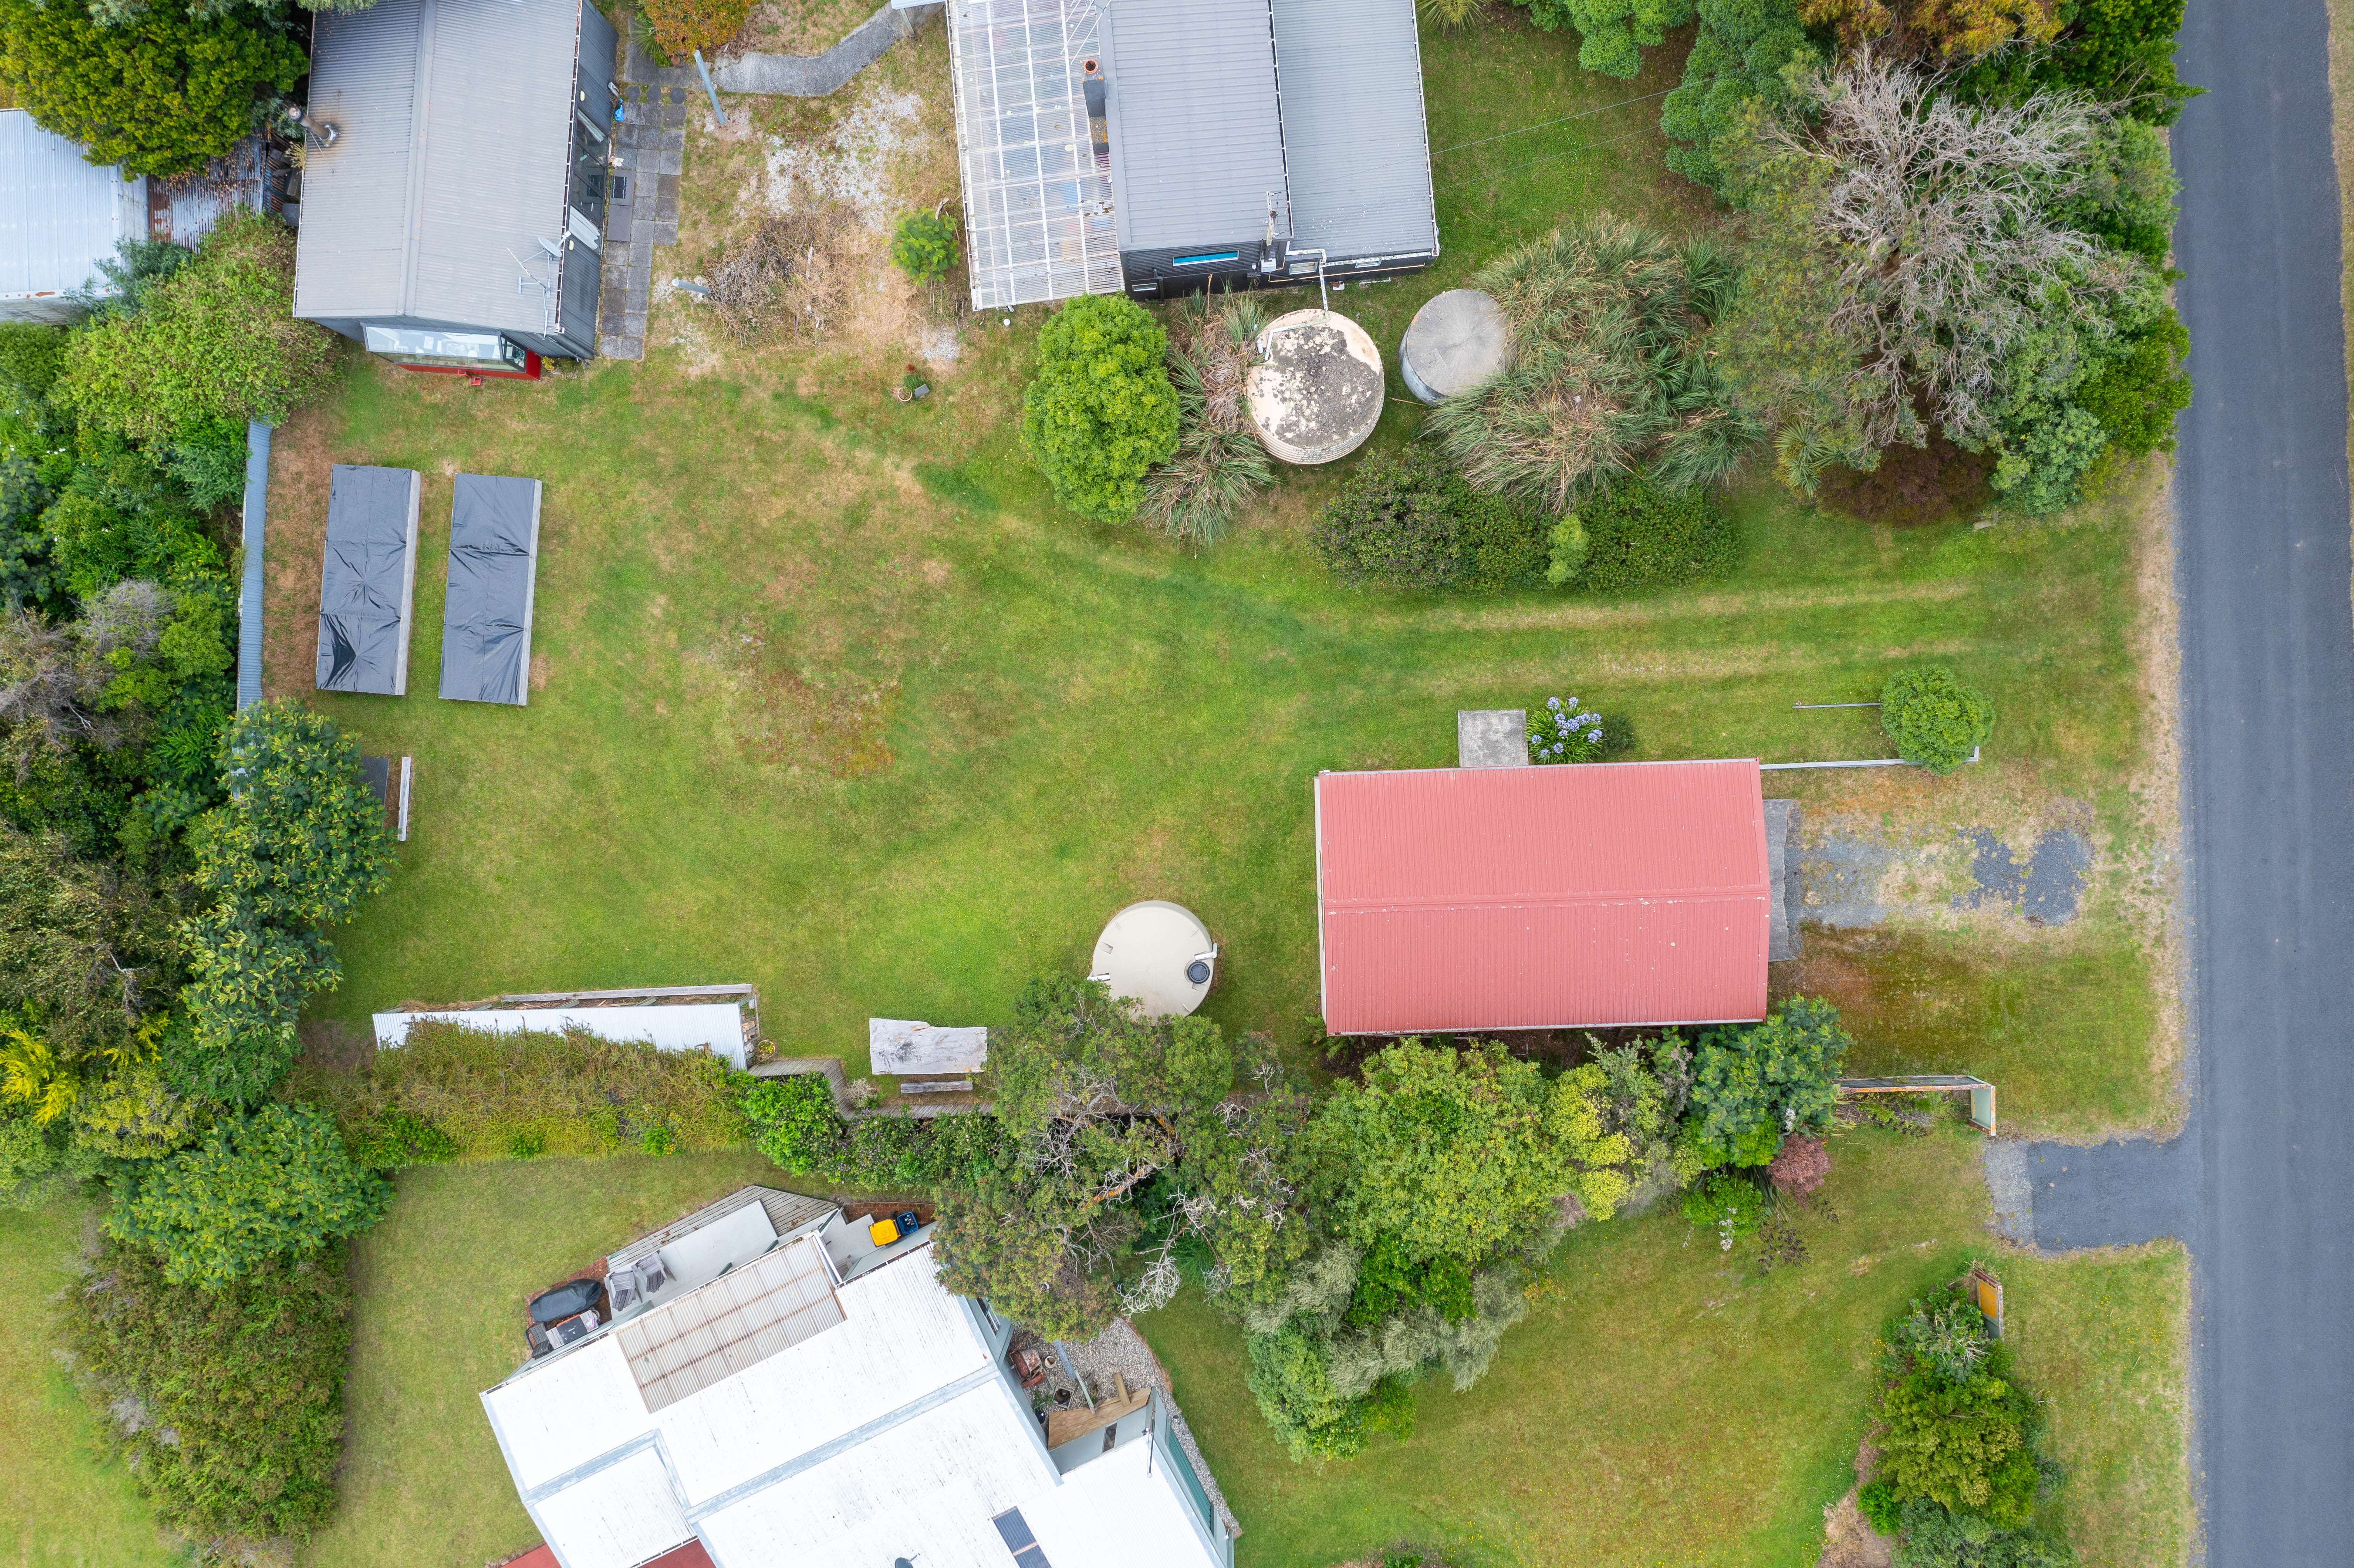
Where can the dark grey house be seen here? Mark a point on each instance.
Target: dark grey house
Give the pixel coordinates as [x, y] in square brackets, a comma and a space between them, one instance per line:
[452, 217]
[1161, 146]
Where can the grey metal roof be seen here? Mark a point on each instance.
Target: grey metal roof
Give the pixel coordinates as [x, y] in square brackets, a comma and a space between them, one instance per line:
[451, 164]
[1353, 130]
[1197, 148]
[58, 215]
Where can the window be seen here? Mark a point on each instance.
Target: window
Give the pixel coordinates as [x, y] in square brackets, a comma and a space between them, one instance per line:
[1019, 1541]
[425, 343]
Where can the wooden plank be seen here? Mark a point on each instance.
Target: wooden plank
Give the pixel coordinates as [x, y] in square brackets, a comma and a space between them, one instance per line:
[936, 1085]
[902, 1046]
[1069, 1426]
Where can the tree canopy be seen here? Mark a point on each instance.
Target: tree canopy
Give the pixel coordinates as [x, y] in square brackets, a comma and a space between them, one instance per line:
[274, 1182]
[1101, 412]
[161, 88]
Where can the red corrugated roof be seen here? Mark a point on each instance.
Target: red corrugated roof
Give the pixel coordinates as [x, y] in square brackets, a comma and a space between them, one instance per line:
[1543, 897]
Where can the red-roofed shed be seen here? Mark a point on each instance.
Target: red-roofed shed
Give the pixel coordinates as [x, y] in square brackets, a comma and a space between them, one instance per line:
[1583, 896]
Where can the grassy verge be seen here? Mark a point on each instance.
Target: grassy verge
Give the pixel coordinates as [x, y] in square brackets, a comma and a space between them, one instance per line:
[1663, 1404]
[2104, 1337]
[69, 1503]
[440, 1285]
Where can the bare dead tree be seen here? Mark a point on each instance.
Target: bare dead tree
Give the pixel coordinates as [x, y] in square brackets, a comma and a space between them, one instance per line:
[1938, 217]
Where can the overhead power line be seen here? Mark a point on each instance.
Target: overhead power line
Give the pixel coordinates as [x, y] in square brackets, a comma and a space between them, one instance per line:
[1565, 119]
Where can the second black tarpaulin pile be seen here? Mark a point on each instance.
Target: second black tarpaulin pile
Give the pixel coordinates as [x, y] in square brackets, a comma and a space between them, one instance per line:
[494, 561]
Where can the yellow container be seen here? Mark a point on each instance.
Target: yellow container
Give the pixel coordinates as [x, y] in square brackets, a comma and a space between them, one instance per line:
[884, 1231]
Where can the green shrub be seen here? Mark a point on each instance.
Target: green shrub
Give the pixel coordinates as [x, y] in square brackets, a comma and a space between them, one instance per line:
[2127, 196]
[1742, 54]
[160, 88]
[31, 357]
[1876, 1500]
[118, 516]
[1937, 1537]
[1567, 550]
[925, 246]
[2137, 396]
[1731, 1206]
[395, 1137]
[275, 1181]
[490, 1095]
[241, 1389]
[1612, 33]
[249, 981]
[1100, 413]
[215, 345]
[1410, 521]
[1390, 1282]
[210, 465]
[798, 1127]
[1640, 536]
[1962, 1446]
[1935, 721]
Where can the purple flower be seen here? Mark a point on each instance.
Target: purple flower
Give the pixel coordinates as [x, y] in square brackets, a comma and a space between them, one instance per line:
[1553, 701]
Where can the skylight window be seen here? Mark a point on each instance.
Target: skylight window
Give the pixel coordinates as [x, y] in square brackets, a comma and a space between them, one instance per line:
[1019, 1541]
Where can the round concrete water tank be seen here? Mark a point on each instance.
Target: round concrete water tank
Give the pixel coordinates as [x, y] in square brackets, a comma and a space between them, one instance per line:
[1456, 343]
[1159, 953]
[1317, 392]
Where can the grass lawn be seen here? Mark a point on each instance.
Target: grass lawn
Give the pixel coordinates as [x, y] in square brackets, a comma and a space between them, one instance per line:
[1662, 1405]
[441, 1283]
[829, 698]
[68, 1503]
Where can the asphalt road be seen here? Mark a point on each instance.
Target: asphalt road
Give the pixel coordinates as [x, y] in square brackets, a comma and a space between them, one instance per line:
[2262, 1183]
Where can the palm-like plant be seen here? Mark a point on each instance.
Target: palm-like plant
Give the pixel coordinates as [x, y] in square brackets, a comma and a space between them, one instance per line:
[1609, 375]
[1219, 465]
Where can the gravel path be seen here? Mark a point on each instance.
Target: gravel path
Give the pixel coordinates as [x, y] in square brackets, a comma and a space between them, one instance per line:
[1120, 1348]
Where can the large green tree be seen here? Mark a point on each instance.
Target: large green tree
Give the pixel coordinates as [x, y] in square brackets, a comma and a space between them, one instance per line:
[276, 1181]
[161, 88]
[212, 346]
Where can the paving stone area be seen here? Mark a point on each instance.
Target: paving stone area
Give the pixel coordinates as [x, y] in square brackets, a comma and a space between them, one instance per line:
[649, 151]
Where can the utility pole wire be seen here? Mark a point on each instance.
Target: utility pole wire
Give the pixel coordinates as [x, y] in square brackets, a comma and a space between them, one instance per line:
[1563, 121]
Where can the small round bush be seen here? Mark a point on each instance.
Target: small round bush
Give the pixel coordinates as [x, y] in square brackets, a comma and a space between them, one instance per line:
[1101, 413]
[1934, 720]
[925, 247]
[1640, 536]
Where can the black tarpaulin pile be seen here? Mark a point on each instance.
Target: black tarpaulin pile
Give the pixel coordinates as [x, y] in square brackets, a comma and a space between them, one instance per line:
[369, 581]
[493, 557]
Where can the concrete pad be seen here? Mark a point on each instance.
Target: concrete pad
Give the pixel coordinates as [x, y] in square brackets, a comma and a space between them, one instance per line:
[1491, 738]
[1781, 863]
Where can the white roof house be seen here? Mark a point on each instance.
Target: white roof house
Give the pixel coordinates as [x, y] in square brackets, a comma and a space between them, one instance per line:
[60, 218]
[823, 1401]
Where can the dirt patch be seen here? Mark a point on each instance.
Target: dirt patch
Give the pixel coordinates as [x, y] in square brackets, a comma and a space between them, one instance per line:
[1913, 485]
[303, 457]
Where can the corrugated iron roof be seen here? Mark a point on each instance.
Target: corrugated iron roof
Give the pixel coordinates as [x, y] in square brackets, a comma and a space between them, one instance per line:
[1354, 137]
[60, 215]
[450, 165]
[1196, 142]
[1582, 896]
[737, 1321]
